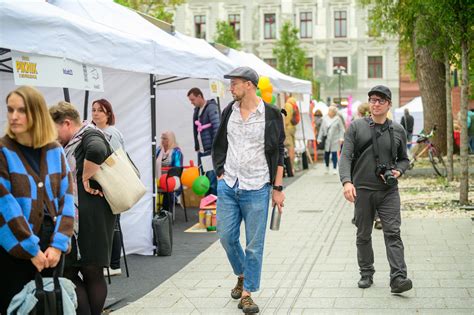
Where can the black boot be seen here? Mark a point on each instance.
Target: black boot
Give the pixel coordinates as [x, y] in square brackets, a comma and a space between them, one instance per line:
[400, 285]
[365, 282]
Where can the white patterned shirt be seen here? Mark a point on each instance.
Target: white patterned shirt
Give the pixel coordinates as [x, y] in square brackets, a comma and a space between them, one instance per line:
[245, 160]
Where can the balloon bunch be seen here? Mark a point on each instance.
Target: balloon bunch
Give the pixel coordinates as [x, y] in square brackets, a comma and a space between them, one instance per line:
[265, 90]
[189, 178]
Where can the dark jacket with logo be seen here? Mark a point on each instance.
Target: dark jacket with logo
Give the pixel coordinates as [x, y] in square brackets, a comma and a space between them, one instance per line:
[209, 115]
[274, 140]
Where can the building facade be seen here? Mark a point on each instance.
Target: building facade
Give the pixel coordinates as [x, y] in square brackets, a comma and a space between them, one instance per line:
[335, 34]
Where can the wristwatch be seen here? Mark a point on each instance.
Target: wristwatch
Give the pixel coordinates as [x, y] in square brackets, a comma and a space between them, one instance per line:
[278, 188]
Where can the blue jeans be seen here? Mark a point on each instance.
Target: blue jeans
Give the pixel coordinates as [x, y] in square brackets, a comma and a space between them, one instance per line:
[334, 159]
[233, 205]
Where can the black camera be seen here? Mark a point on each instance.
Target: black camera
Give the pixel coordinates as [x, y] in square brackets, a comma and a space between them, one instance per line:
[386, 172]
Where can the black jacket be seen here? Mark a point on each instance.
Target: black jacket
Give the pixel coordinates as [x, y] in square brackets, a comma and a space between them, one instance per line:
[407, 122]
[210, 115]
[274, 140]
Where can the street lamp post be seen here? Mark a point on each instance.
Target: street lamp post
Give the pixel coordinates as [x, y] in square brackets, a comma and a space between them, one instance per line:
[340, 70]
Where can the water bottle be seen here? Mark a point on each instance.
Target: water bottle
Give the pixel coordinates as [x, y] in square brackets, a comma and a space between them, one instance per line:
[276, 218]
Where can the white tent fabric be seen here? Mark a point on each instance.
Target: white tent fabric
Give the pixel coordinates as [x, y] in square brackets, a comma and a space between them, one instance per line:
[35, 26]
[415, 107]
[281, 82]
[171, 55]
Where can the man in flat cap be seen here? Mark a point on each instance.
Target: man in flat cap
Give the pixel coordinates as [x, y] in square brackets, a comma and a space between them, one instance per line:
[248, 159]
[373, 157]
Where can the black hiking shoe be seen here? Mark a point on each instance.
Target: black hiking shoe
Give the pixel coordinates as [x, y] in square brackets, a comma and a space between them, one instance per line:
[400, 285]
[236, 293]
[365, 282]
[248, 306]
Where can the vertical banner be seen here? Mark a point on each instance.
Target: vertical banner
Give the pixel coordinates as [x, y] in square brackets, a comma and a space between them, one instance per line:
[217, 88]
[38, 70]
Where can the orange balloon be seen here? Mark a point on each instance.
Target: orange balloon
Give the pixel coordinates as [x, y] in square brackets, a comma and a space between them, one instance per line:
[189, 175]
[268, 88]
[267, 96]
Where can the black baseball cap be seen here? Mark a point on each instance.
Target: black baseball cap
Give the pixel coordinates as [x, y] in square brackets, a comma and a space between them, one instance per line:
[245, 73]
[381, 90]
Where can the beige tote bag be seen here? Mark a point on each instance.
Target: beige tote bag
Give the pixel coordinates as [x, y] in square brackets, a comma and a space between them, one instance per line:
[120, 182]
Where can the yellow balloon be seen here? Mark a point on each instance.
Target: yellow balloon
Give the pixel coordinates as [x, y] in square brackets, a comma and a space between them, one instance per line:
[189, 175]
[267, 96]
[264, 83]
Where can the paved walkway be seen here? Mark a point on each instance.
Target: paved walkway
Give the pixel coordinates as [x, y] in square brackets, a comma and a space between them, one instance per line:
[310, 265]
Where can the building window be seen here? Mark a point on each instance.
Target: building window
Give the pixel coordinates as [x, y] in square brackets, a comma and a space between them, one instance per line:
[200, 26]
[269, 26]
[375, 67]
[306, 24]
[234, 21]
[309, 65]
[338, 63]
[271, 61]
[373, 27]
[340, 24]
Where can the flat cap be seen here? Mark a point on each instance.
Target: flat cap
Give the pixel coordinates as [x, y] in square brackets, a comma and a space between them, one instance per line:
[382, 90]
[245, 73]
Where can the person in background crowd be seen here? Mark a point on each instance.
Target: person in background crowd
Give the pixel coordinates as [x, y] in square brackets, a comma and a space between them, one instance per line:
[407, 123]
[470, 129]
[86, 149]
[248, 158]
[290, 131]
[333, 129]
[363, 110]
[36, 194]
[103, 117]
[168, 154]
[318, 121]
[206, 120]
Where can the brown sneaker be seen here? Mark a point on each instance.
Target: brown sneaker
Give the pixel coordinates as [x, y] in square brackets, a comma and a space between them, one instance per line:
[248, 306]
[236, 292]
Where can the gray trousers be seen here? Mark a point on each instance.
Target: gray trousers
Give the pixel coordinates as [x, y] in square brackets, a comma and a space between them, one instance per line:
[387, 203]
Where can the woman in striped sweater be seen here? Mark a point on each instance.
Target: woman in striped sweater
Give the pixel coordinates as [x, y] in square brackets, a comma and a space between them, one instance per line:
[36, 194]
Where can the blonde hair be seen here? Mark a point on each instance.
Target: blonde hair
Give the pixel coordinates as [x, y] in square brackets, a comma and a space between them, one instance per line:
[171, 139]
[64, 110]
[332, 109]
[40, 125]
[363, 110]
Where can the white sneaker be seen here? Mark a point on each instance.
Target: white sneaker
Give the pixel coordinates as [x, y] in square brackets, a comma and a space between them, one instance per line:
[334, 171]
[327, 170]
[113, 272]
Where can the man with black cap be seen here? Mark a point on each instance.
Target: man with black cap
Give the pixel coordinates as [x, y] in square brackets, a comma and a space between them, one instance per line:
[373, 157]
[248, 159]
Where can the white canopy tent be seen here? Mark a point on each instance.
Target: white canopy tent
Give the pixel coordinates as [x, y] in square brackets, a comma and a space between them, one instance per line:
[415, 107]
[36, 27]
[281, 82]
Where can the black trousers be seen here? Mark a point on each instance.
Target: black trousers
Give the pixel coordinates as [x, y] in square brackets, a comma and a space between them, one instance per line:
[16, 272]
[387, 203]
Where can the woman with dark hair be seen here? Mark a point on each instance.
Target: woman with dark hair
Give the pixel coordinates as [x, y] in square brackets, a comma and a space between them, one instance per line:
[103, 117]
[36, 194]
[86, 149]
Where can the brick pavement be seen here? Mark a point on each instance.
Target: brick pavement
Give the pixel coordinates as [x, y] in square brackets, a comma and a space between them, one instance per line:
[310, 265]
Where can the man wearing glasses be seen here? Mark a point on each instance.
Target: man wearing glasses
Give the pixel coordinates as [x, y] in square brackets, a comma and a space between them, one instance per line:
[373, 157]
[248, 158]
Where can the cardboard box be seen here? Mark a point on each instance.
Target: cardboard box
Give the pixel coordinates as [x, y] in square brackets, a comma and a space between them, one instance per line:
[191, 199]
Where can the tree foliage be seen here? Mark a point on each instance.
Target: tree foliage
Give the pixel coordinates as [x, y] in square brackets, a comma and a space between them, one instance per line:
[160, 9]
[291, 58]
[225, 35]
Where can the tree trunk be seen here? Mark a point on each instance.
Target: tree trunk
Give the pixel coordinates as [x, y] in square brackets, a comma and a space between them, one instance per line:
[430, 74]
[464, 155]
[449, 118]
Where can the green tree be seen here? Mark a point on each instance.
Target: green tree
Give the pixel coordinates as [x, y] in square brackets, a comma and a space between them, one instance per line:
[291, 58]
[225, 35]
[436, 34]
[160, 9]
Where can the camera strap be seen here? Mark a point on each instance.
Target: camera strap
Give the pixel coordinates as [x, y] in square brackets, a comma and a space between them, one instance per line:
[375, 145]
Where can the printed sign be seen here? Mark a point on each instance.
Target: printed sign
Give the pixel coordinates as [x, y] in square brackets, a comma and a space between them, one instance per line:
[38, 70]
[217, 88]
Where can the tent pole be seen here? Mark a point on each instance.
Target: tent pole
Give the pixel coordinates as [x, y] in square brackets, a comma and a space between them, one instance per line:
[304, 137]
[66, 95]
[86, 102]
[219, 105]
[153, 136]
